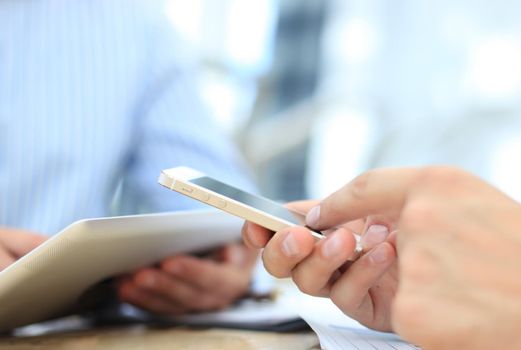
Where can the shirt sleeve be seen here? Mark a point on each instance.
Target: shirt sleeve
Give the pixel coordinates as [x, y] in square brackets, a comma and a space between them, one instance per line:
[173, 127]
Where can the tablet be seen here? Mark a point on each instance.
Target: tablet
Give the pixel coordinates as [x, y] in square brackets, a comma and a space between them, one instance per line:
[50, 279]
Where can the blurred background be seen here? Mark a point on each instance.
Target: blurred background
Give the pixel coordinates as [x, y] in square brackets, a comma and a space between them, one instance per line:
[317, 91]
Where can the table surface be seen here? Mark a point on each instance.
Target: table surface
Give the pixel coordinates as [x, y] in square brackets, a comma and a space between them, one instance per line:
[142, 337]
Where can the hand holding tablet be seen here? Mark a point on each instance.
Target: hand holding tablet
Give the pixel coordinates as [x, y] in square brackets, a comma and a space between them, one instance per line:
[50, 279]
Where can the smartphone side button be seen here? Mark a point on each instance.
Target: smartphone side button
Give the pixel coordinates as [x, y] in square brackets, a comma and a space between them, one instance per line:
[205, 196]
[187, 189]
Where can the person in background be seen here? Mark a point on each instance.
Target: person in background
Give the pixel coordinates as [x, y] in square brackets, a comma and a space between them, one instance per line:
[97, 97]
[441, 260]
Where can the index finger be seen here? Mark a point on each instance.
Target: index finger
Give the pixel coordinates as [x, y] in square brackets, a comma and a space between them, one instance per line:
[376, 192]
[302, 206]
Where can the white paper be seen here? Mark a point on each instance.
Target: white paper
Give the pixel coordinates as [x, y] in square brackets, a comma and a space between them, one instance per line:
[248, 312]
[334, 336]
[336, 331]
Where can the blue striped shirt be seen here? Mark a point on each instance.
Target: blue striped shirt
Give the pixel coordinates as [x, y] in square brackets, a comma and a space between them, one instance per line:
[92, 92]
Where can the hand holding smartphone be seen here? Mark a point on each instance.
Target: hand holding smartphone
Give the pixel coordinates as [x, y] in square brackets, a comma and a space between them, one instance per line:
[247, 206]
[257, 209]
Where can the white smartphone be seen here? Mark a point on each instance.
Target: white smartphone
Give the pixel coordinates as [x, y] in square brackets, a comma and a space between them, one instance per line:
[257, 209]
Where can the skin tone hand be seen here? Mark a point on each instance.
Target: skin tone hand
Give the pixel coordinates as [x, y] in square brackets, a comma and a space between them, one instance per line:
[15, 243]
[363, 289]
[178, 285]
[459, 248]
[184, 283]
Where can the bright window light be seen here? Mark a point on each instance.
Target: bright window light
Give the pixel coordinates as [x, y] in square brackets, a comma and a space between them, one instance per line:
[339, 148]
[186, 17]
[495, 68]
[358, 38]
[505, 167]
[250, 28]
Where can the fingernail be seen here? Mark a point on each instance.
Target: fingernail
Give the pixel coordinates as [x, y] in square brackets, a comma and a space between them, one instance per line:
[374, 235]
[332, 246]
[379, 254]
[290, 246]
[313, 216]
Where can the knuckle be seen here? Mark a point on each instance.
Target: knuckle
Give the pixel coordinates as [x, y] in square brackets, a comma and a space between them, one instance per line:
[440, 176]
[358, 186]
[354, 191]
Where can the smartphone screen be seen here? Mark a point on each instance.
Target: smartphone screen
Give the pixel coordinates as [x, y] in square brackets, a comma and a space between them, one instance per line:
[260, 203]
